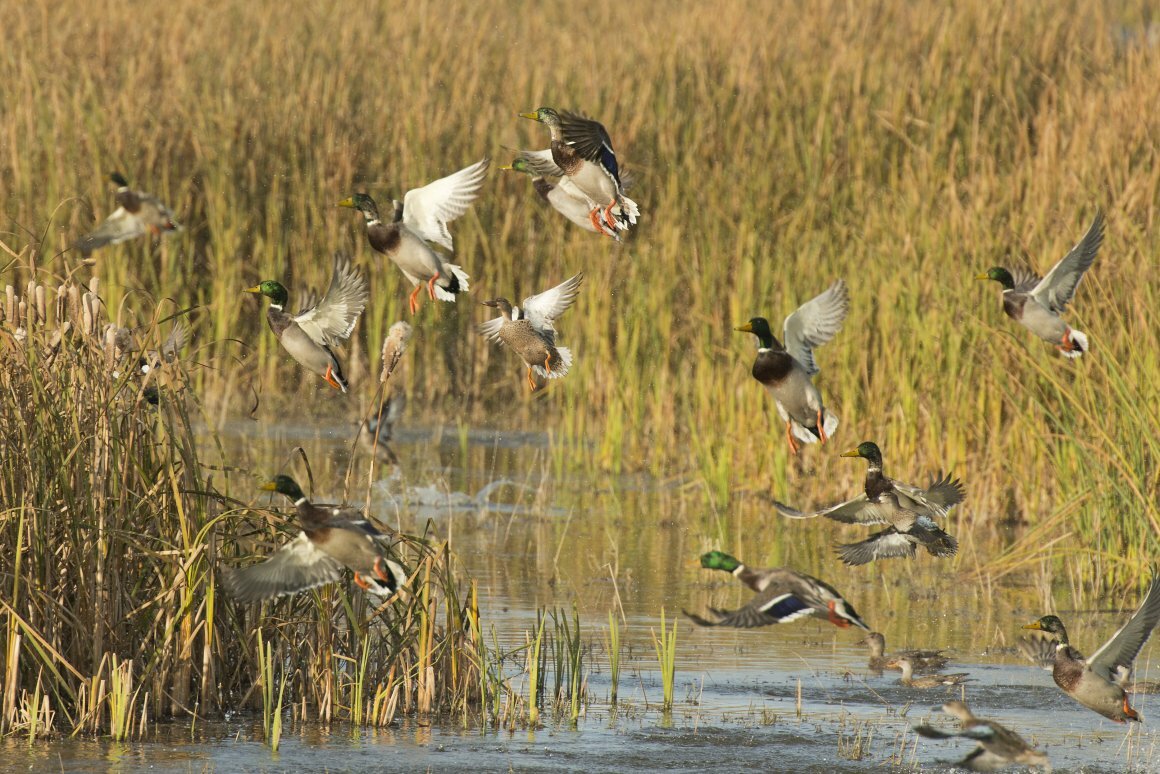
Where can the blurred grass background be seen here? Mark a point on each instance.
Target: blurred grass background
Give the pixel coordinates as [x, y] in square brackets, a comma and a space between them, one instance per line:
[902, 146]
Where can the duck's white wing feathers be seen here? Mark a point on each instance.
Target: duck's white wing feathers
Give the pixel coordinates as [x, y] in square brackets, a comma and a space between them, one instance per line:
[490, 329]
[297, 566]
[814, 323]
[429, 209]
[1114, 660]
[331, 320]
[543, 308]
[541, 162]
[1055, 290]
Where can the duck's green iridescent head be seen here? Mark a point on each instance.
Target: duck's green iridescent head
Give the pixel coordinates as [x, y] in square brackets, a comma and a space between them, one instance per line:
[759, 327]
[1000, 275]
[719, 560]
[1051, 625]
[544, 115]
[519, 165]
[283, 485]
[119, 180]
[271, 289]
[363, 203]
[867, 450]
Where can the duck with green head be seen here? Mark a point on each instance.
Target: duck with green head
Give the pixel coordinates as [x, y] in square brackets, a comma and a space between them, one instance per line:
[1038, 304]
[564, 197]
[332, 537]
[582, 150]
[419, 222]
[310, 334]
[787, 370]
[908, 510]
[138, 213]
[783, 595]
[1098, 682]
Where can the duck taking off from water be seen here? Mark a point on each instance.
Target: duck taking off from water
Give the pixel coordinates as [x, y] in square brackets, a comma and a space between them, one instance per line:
[332, 537]
[909, 510]
[1098, 682]
[138, 213]
[1039, 303]
[530, 331]
[998, 746]
[582, 151]
[783, 595]
[418, 222]
[309, 335]
[787, 370]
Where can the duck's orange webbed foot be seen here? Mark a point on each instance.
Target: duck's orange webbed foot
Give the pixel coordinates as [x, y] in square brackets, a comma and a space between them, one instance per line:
[431, 286]
[413, 300]
[361, 582]
[821, 428]
[793, 445]
[330, 379]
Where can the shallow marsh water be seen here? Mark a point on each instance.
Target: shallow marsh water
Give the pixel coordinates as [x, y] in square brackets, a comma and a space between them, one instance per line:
[533, 539]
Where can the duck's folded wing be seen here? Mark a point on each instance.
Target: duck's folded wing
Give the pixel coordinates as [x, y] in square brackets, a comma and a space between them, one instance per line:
[1114, 660]
[331, 320]
[297, 566]
[590, 139]
[1055, 291]
[429, 209]
[858, 510]
[814, 323]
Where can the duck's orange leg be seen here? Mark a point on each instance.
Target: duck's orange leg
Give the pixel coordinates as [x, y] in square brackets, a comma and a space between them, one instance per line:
[362, 582]
[531, 381]
[594, 217]
[793, 445]
[821, 428]
[1066, 343]
[608, 215]
[413, 300]
[329, 377]
[380, 572]
[1131, 713]
[431, 286]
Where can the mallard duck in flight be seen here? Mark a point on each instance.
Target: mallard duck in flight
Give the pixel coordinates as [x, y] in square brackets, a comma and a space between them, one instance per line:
[418, 222]
[783, 595]
[787, 370]
[332, 537]
[309, 335]
[1098, 682]
[909, 510]
[530, 331]
[138, 213]
[582, 150]
[1039, 303]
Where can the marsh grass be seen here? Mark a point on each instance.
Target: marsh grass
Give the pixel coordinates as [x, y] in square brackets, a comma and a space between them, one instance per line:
[904, 147]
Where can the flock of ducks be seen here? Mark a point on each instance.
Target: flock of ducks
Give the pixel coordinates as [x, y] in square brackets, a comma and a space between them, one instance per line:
[579, 176]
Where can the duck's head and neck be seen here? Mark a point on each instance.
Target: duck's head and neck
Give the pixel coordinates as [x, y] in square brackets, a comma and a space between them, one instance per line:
[877, 644]
[273, 290]
[869, 451]
[759, 327]
[286, 486]
[1053, 626]
[520, 165]
[1000, 275]
[364, 204]
[719, 560]
[549, 118]
[505, 308]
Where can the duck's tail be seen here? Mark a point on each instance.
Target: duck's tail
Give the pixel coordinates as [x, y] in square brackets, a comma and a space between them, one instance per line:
[560, 365]
[456, 283]
[1077, 343]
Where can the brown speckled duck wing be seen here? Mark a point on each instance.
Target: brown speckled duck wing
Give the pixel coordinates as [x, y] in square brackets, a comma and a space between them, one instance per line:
[297, 566]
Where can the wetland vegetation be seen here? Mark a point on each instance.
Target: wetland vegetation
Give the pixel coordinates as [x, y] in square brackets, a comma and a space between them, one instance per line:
[904, 148]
